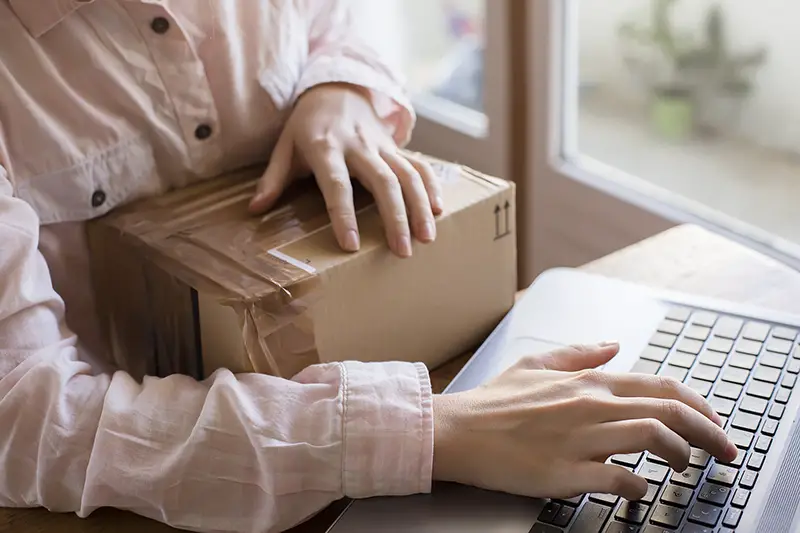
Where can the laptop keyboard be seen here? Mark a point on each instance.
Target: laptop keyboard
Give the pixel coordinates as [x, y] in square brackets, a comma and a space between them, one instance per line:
[747, 370]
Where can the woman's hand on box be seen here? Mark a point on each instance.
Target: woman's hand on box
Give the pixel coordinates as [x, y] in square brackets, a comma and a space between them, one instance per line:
[334, 133]
[547, 426]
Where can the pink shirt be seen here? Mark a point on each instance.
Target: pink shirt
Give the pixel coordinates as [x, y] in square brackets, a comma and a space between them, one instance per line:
[106, 101]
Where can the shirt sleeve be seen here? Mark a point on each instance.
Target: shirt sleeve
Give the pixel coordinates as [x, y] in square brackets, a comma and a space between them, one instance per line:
[339, 54]
[234, 453]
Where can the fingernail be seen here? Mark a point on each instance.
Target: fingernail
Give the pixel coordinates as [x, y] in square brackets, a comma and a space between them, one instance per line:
[428, 232]
[351, 241]
[732, 450]
[439, 203]
[404, 246]
[717, 419]
[609, 344]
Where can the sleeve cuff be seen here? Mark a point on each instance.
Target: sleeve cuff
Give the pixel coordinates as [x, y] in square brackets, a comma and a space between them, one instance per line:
[388, 429]
[388, 97]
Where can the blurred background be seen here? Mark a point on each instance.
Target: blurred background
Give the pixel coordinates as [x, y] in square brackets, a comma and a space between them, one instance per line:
[616, 119]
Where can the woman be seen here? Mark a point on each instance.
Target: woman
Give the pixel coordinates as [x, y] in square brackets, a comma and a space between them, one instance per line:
[106, 101]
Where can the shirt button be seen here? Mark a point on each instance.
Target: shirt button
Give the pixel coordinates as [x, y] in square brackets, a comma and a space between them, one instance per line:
[98, 198]
[160, 25]
[203, 132]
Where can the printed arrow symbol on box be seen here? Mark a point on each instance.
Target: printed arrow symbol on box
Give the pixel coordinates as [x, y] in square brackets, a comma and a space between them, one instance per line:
[497, 220]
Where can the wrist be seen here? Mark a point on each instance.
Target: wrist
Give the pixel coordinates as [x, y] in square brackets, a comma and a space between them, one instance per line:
[443, 437]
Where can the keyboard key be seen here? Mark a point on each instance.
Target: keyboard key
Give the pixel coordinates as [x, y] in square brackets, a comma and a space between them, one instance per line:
[756, 461]
[564, 515]
[654, 473]
[770, 427]
[796, 352]
[763, 443]
[794, 366]
[644, 366]
[767, 374]
[681, 314]
[705, 372]
[722, 406]
[653, 458]
[735, 375]
[654, 353]
[728, 327]
[677, 495]
[784, 333]
[731, 391]
[689, 346]
[749, 478]
[789, 381]
[673, 327]
[742, 439]
[650, 496]
[716, 359]
[699, 333]
[627, 459]
[657, 529]
[605, 499]
[680, 359]
[696, 528]
[718, 344]
[714, 494]
[740, 360]
[673, 372]
[740, 497]
[632, 512]
[705, 514]
[783, 395]
[704, 318]
[760, 389]
[746, 421]
[665, 515]
[544, 528]
[699, 458]
[690, 477]
[739, 461]
[757, 406]
[756, 331]
[619, 527]
[779, 346]
[732, 518]
[776, 411]
[749, 347]
[723, 475]
[774, 360]
[549, 513]
[703, 388]
[663, 340]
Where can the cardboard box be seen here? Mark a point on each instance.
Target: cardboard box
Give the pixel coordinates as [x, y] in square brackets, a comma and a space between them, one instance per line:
[189, 282]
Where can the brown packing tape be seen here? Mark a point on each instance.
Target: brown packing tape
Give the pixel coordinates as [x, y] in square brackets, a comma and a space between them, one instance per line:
[202, 240]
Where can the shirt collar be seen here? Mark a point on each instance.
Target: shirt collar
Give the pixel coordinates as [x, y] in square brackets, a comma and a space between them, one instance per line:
[41, 16]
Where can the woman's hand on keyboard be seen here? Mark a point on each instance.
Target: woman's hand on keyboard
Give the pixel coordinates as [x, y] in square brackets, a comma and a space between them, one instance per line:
[547, 426]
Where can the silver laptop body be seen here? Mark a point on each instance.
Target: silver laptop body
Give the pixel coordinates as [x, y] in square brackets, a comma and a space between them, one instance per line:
[566, 306]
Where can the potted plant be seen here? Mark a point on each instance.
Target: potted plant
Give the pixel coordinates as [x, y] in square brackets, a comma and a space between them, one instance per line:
[694, 82]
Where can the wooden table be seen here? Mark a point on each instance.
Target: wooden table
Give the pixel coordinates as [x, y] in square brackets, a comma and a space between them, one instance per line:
[685, 258]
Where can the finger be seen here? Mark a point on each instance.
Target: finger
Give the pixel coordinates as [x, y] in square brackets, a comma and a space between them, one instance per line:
[333, 177]
[574, 358]
[378, 177]
[592, 477]
[689, 423]
[635, 436]
[431, 182]
[415, 195]
[276, 177]
[642, 386]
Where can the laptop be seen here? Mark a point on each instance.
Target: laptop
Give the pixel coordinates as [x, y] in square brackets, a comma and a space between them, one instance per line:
[744, 360]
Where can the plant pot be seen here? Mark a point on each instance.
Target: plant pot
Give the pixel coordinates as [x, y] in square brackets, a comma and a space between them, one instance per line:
[672, 114]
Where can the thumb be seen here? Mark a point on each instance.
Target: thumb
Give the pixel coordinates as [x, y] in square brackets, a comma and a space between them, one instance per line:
[275, 178]
[579, 357]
